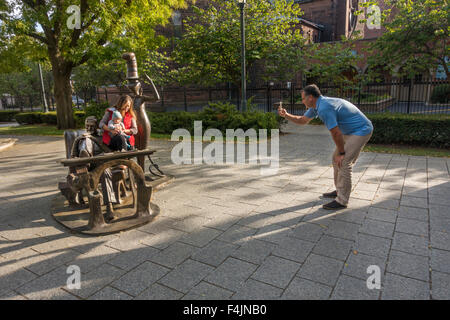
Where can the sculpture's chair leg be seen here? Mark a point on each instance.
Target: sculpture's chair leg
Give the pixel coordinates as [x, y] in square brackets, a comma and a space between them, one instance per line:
[96, 220]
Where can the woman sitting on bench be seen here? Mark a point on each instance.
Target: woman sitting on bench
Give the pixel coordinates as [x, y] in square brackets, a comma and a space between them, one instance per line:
[114, 140]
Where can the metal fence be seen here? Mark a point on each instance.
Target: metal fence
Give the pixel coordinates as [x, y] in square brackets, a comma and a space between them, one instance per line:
[422, 96]
[34, 102]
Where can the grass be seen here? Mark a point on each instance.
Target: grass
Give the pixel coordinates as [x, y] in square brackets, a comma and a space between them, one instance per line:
[34, 130]
[407, 150]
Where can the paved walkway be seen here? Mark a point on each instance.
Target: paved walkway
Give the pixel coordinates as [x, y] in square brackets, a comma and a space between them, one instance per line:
[226, 232]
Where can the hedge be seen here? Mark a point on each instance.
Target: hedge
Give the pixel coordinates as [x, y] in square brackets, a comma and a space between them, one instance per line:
[7, 116]
[48, 118]
[409, 129]
[441, 94]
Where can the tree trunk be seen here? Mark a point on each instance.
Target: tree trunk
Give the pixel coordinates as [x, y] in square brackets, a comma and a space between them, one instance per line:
[63, 97]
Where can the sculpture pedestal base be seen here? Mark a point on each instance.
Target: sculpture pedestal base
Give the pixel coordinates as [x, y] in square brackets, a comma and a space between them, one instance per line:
[77, 219]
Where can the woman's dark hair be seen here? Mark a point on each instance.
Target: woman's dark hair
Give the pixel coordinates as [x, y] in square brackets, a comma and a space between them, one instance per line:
[312, 90]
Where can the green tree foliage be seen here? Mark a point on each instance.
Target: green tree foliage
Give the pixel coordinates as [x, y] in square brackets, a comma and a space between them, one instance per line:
[416, 37]
[45, 29]
[209, 51]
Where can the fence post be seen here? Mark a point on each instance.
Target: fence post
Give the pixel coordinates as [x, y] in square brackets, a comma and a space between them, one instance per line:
[359, 94]
[106, 94]
[409, 95]
[162, 96]
[185, 99]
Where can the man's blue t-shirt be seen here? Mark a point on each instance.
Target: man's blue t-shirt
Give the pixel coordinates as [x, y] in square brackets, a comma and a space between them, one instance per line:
[339, 112]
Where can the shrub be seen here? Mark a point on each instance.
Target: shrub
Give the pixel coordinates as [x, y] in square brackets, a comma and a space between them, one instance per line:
[7, 116]
[441, 94]
[96, 109]
[220, 116]
[28, 117]
[48, 118]
[409, 129]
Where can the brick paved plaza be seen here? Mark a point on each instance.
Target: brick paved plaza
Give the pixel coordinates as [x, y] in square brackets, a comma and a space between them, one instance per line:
[226, 232]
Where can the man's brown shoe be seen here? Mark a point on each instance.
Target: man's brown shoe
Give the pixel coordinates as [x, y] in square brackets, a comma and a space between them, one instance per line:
[330, 194]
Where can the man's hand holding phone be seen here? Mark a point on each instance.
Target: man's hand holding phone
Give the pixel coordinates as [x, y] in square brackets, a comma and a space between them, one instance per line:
[281, 111]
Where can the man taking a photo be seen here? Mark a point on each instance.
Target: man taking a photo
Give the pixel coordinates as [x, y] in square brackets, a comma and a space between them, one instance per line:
[350, 130]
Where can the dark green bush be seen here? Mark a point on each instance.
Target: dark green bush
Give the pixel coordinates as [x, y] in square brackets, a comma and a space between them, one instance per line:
[96, 109]
[441, 94]
[28, 117]
[48, 118]
[219, 116]
[6, 116]
[409, 129]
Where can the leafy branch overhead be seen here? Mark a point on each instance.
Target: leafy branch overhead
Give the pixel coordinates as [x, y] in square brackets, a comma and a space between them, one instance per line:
[209, 51]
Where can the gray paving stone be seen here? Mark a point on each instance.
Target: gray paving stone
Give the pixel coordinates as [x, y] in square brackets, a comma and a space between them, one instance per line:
[255, 290]
[386, 203]
[415, 192]
[414, 202]
[439, 224]
[11, 295]
[254, 250]
[349, 288]
[159, 292]
[408, 265]
[12, 277]
[237, 234]
[332, 247]
[109, 293]
[396, 287]
[321, 269]
[96, 280]
[440, 240]
[410, 243]
[440, 260]
[272, 233]
[173, 255]
[372, 245]
[382, 214]
[163, 239]
[293, 249]
[276, 271]
[440, 285]
[307, 231]
[207, 291]
[140, 278]
[231, 274]
[377, 228]
[47, 286]
[200, 237]
[352, 215]
[190, 224]
[411, 226]
[413, 213]
[357, 264]
[130, 259]
[439, 199]
[214, 253]
[186, 275]
[344, 230]
[303, 289]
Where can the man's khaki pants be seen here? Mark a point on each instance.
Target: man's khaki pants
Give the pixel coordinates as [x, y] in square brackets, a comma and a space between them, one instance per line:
[343, 176]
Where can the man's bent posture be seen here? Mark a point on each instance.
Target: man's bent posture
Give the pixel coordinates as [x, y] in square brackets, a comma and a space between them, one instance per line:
[350, 130]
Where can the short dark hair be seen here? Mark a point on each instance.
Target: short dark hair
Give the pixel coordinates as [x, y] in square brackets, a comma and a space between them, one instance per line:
[313, 90]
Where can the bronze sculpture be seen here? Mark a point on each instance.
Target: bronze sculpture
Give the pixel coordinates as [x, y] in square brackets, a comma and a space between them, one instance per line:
[91, 164]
